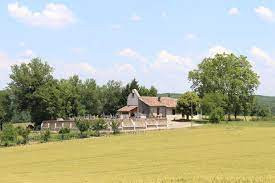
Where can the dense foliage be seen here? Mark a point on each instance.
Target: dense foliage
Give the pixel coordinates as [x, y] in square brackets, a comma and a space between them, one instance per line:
[230, 76]
[188, 103]
[34, 95]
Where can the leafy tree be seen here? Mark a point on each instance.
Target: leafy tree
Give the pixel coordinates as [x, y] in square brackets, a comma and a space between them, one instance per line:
[71, 97]
[264, 112]
[90, 97]
[111, 97]
[8, 135]
[83, 126]
[98, 124]
[216, 115]
[261, 110]
[24, 133]
[30, 82]
[63, 132]
[45, 135]
[2, 117]
[115, 126]
[229, 75]
[6, 111]
[188, 103]
[143, 91]
[212, 101]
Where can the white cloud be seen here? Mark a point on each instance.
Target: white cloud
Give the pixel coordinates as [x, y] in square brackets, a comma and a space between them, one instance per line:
[263, 56]
[166, 60]
[54, 15]
[130, 53]
[86, 67]
[135, 18]
[83, 69]
[191, 36]
[233, 11]
[218, 50]
[125, 68]
[265, 13]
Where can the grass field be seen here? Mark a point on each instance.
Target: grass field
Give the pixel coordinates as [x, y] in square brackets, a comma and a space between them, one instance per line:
[235, 152]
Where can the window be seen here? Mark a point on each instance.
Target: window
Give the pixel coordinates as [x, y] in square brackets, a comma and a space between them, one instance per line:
[133, 95]
[174, 111]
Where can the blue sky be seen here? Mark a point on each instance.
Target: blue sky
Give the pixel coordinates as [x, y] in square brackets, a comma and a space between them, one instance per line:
[157, 42]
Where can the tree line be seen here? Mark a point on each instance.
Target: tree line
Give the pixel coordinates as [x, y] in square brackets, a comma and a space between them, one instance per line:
[221, 85]
[35, 95]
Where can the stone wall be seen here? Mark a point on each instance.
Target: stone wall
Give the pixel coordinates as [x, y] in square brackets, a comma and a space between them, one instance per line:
[54, 125]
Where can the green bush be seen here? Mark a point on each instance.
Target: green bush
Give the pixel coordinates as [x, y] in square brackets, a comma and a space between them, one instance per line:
[83, 126]
[216, 115]
[9, 135]
[23, 135]
[64, 133]
[98, 124]
[20, 140]
[115, 126]
[84, 134]
[45, 135]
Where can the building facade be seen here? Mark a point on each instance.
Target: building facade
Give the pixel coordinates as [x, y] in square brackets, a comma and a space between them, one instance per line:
[149, 107]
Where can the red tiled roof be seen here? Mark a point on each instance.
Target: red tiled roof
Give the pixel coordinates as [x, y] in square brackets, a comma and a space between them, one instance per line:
[127, 108]
[164, 101]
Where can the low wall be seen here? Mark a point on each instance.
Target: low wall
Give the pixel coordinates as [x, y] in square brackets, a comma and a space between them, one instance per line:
[54, 125]
[125, 124]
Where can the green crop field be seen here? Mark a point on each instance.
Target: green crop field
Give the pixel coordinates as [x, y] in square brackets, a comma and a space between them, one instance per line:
[238, 152]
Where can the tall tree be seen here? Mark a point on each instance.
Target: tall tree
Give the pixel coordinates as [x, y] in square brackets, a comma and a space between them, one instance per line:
[71, 97]
[188, 103]
[90, 97]
[111, 97]
[6, 110]
[229, 75]
[28, 82]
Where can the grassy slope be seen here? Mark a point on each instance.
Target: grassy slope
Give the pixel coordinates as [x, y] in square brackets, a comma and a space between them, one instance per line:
[212, 151]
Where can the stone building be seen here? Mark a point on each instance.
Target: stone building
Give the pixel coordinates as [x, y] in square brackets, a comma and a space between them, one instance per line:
[149, 107]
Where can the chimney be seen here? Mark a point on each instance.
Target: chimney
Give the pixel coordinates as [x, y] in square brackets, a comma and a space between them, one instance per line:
[159, 98]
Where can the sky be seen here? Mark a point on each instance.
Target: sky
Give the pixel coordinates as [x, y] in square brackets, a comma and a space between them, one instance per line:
[157, 42]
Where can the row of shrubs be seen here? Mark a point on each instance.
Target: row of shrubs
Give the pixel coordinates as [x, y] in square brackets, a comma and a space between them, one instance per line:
[11, 135]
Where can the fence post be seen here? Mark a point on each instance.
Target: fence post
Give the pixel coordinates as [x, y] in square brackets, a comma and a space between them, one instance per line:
[134, 125]
[157, 123]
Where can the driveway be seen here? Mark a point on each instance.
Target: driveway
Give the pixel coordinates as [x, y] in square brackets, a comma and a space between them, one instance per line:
[174, 124]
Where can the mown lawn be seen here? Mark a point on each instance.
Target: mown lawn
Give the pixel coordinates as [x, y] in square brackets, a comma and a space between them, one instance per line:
[235, 152]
